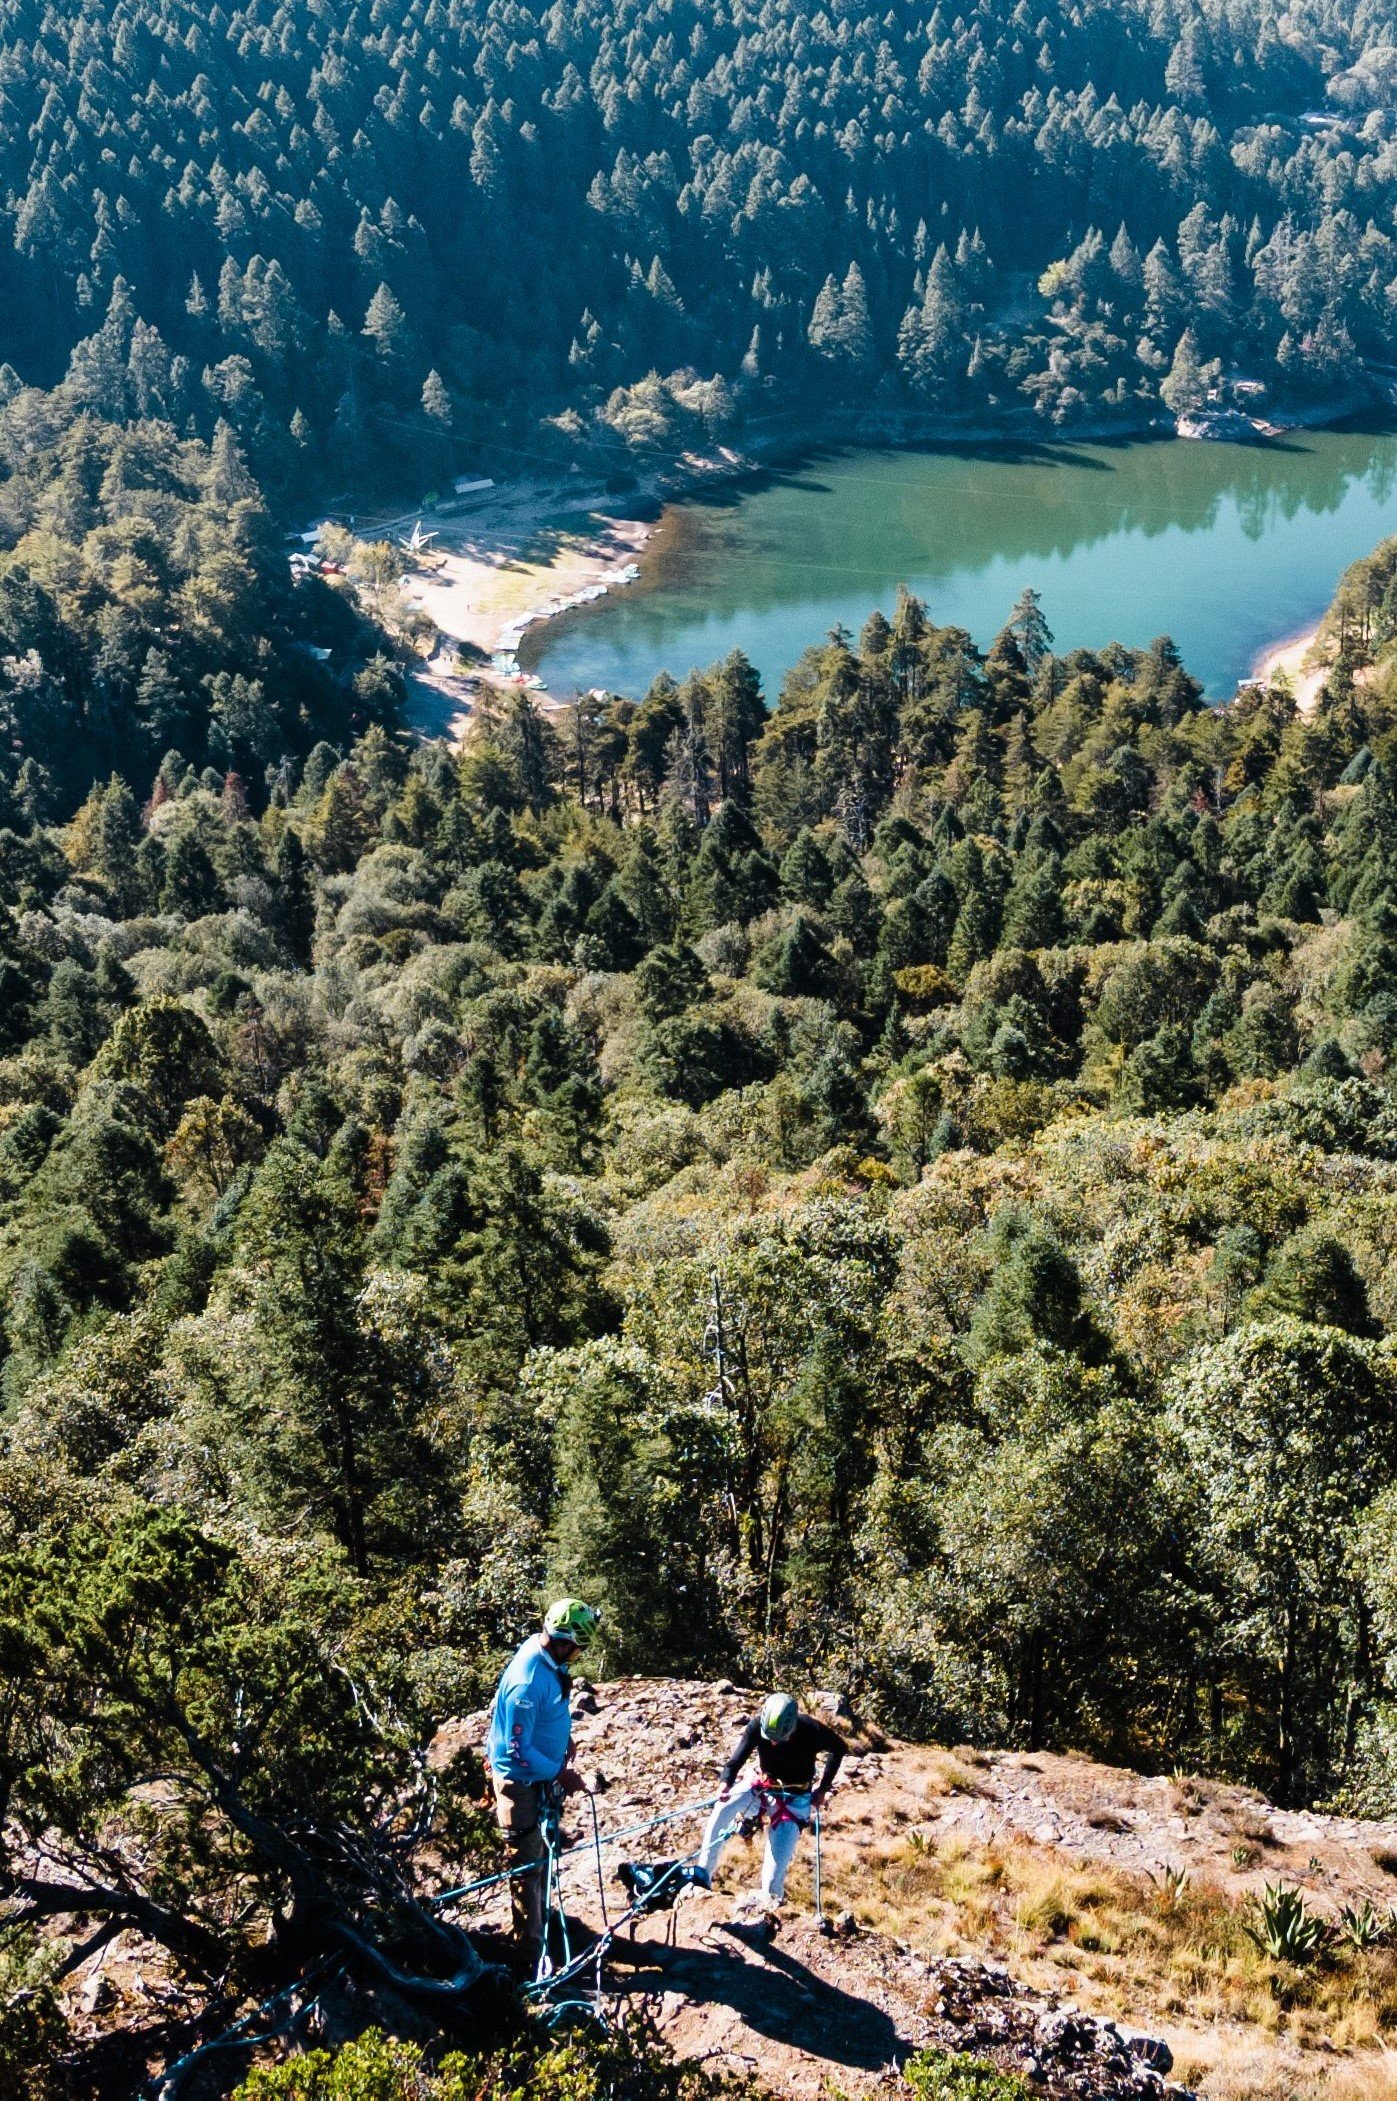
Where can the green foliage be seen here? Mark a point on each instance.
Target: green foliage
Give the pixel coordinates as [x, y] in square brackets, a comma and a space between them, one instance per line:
[943, 2075]
[137, 1646]
[145, 605]
[323, 332]
[1363, 1926]
[33, 2031]
[371, 2068]
[1284, 1429]
[876, 1191]
[635, 1476]
[1283, 1926]
[375, 2068]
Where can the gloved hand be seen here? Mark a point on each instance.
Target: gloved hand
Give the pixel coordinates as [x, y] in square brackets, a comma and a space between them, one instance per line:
[571, 1781]
[819, 1798]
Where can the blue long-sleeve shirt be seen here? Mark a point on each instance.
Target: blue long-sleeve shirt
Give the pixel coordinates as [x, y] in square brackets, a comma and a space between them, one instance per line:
[530, 1725]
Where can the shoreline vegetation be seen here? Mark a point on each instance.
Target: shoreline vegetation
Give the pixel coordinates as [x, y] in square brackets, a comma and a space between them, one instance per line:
[1299, 664]
[1010, 1060]
[534, 549]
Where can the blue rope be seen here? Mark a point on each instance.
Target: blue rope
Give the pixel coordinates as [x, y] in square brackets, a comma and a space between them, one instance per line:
[543, 1985]
[161, 2082]
[609, 1838]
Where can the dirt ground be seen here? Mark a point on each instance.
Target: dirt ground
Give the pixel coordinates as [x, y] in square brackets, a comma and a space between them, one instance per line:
[943, 1868]
[825, 2015]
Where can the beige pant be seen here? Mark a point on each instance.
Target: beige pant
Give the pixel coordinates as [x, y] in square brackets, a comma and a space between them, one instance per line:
[516, 1812]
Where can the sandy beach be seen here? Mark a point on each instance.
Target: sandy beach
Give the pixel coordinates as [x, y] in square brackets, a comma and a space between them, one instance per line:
[1293, 661]
[521, 555]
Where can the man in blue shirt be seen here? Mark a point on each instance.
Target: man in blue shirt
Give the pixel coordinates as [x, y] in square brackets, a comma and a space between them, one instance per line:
[529, 1748]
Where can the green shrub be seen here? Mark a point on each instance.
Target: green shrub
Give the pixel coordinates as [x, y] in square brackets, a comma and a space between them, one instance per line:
[33, 2031]
[617, 2068]
[370, 2069]
[941, 2075]
[1283, 1927]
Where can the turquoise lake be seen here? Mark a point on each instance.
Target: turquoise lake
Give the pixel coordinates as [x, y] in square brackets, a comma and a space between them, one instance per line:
[1227, 548]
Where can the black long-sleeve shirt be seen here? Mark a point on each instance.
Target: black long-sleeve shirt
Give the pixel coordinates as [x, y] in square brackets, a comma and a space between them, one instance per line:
[792, 1763]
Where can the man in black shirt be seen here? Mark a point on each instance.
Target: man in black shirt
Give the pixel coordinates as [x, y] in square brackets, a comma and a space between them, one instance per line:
[784, 1795]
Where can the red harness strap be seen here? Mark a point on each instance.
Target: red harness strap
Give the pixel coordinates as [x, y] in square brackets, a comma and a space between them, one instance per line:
[776, 1806]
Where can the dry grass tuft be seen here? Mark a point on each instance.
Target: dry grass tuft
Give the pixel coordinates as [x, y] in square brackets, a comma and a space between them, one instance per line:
[1162, 1951]
[1190, 1796]
[952, 1773]
[1238, 2067]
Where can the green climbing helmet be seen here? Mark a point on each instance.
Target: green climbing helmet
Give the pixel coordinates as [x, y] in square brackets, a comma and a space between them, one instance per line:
[570, 1620]
[779, 1717]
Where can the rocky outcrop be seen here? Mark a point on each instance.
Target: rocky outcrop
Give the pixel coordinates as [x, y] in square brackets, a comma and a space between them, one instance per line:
[806, 2012]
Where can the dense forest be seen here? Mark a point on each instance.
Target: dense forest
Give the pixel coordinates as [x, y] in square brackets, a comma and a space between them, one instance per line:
[146, 604]
[899, 1190]
[376, 238]
[888, 1185]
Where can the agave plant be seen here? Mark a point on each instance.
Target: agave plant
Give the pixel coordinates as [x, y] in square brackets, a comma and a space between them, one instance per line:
[1283, 1927]
[1363, 1926]
[1170, 1885]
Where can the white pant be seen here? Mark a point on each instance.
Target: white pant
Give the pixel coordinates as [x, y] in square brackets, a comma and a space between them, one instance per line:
[782, 1834]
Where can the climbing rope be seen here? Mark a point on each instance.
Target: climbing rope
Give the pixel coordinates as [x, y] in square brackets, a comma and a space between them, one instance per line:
[608, 1838]
[546, 1987]
[549, 1825]
[166, 2083]
[548, 1981]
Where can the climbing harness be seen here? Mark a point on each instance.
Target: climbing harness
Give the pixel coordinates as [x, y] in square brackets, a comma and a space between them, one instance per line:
[776, 1803]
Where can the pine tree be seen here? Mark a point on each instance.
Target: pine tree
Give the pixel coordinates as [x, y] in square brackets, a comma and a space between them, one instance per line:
[856, 324]
[161, 703]
[1185, 387]
[436, 402]
[228, 481]
[930, 341]
[191, 887]
[1163, 293]
[1030, 630]
[735, 718]
[974, 936]
[116, 838]
[293, 896]
[385, 324]
[324, 1409]
[823, 333]
[529, 745]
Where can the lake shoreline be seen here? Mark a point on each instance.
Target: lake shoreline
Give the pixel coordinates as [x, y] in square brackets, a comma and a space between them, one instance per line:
[511, 571]
[1289, 660]
[771, 451]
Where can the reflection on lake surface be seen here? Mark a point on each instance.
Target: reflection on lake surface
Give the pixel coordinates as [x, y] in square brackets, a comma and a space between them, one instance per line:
[1225, 547]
